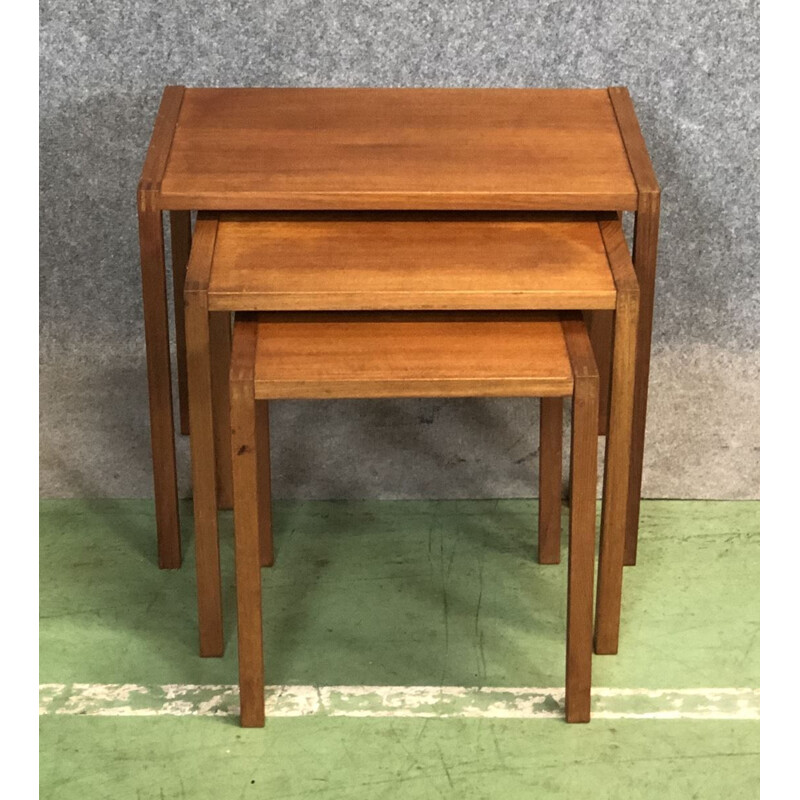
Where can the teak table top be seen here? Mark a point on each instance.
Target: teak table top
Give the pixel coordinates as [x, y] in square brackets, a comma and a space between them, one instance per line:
[433, 354]
[258, 149]
[393, 261]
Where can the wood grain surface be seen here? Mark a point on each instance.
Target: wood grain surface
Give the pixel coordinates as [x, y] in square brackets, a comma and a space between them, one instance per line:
[180, 223]
[617, 475]
[551, 416]
[645, 253]
[248, 525]
[158, 151]
[384, 261]
[248, 149]
[583, 494]
[434, 354]
[159, 379]
[202, 440]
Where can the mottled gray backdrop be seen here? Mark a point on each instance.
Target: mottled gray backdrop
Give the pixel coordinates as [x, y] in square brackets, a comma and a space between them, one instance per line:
[692, 69]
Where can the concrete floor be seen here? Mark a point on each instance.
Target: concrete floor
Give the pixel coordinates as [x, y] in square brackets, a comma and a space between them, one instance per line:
[403, 594]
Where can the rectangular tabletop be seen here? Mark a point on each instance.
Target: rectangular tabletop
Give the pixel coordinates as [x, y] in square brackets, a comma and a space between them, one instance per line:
[446, 354]
[408, 261]
[262, 149]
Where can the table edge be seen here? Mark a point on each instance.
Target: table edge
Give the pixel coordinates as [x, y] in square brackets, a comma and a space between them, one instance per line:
[151, 196]
[155, 162]
[630, 131]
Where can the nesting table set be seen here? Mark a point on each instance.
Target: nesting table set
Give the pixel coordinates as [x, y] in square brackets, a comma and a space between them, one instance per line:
[399, 243]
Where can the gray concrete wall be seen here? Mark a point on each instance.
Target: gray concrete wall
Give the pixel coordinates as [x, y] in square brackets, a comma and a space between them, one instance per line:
[692, 69]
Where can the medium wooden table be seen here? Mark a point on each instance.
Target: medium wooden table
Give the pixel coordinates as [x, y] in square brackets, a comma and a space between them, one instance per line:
[430, 262]
[372, 149]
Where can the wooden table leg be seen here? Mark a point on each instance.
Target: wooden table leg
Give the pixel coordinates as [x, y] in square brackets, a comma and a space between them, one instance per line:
[583, 471]
[645, 247]
[601, 333]
[264, 484]
[551, 414]
[162, 432]
[220, 343]
[181, 238]
[204, 486]
[248, 525]
[616, 478]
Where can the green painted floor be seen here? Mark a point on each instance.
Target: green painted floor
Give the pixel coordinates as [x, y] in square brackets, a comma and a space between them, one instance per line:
[398, 593]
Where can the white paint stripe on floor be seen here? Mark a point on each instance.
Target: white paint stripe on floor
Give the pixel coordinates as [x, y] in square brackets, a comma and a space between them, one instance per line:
[131, 700]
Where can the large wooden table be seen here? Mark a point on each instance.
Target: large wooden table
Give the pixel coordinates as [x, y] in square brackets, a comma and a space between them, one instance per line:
[358, 149]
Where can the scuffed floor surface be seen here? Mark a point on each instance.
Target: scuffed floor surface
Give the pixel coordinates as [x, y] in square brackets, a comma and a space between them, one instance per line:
[441, 601]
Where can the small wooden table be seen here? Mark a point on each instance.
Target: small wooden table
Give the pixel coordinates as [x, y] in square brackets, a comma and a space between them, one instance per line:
[367, 354]
[373, 149]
